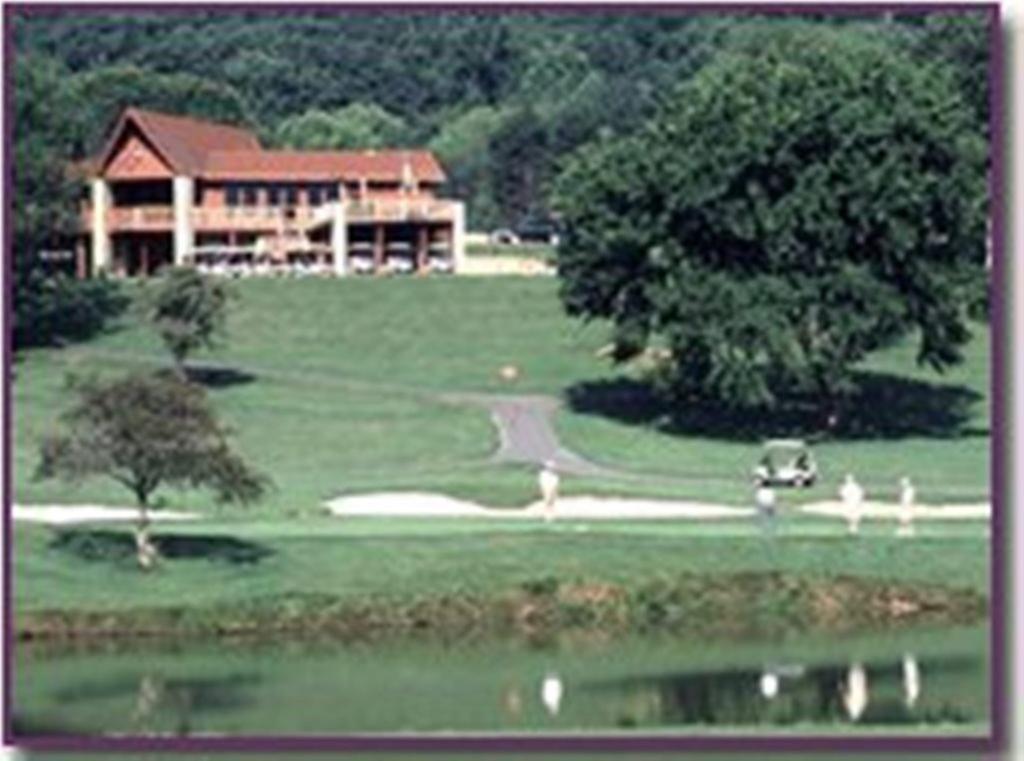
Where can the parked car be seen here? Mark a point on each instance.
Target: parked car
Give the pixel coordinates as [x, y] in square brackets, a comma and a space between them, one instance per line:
[361, 265]
[538, 229]
[441, 264]
[505, 237]
[400, 264]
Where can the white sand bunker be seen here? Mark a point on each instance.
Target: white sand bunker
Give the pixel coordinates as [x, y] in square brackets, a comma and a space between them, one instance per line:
[63, 515]
[836, 509]
[419, 505]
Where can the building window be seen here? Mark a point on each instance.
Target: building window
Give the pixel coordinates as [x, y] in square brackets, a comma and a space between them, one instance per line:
[273, 195]
[250, 195]
[231, 197]
[315, 194]
[332, 192]
[291, 196]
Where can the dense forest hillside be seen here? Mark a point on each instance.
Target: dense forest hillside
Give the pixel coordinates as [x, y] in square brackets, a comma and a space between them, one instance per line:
[502, 98]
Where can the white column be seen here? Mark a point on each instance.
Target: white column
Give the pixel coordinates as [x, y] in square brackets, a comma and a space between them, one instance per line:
[184, 188]
[458, 235]
[339, 238]
[101, 258]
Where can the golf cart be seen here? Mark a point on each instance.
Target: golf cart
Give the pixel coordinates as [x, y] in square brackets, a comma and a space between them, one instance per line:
[786, 462]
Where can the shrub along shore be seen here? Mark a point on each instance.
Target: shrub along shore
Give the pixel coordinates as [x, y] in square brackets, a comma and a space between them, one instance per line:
[692, 605]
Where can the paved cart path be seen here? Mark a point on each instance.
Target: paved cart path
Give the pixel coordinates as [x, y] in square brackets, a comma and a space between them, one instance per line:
[526, 433]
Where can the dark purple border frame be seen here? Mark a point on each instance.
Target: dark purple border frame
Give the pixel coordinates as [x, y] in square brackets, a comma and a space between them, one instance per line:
[594, 743]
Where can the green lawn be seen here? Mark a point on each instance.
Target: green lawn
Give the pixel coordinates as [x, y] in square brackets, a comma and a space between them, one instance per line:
[337, 391]
[338, 383]
[363, 558]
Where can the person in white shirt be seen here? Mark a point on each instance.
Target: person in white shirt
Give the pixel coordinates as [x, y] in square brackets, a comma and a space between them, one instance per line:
[908, 496]
[852, 495]
[547, 480]
[764, 500]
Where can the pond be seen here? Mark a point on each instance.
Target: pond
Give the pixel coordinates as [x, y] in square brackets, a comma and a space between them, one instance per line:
[916, 681]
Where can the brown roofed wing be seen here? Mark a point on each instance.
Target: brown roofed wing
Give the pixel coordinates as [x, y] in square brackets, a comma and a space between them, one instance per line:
[383, 166]
[183, 142]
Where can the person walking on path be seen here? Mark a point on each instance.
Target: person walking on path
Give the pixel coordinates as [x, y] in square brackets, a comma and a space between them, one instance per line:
[764, 500]
[908, 496]
[548, 480]
[852, 495]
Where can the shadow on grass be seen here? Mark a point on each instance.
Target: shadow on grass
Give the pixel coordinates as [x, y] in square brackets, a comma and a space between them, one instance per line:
[885, 407]
[218, 377]
[119, 546]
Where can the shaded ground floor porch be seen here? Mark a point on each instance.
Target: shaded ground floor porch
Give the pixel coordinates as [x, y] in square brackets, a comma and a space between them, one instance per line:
[133, 254]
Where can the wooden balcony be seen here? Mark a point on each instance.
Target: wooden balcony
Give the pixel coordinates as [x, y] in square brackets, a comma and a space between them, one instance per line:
[139, 219]
[251, 218]
[400, 210]
[274, 219]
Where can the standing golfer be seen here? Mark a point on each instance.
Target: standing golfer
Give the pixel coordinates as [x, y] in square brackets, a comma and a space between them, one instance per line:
[908, 495]
[852, 495]
[547, 480]
[764, 499]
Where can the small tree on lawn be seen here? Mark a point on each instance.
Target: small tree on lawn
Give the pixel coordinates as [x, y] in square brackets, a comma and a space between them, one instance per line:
[188, 311]
[147, 431]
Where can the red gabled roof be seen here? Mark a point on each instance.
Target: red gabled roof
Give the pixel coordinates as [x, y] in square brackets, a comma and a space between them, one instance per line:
[183, 142]
[323, 165]
[214, 151]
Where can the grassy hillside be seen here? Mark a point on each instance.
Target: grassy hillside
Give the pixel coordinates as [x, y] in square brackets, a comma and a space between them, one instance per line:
[337, 386]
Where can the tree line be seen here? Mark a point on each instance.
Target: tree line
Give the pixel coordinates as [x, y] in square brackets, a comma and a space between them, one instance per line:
[501, 97]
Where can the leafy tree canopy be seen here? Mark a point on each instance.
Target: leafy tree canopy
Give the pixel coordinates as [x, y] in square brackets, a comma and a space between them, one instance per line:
[147, 431]
[356, 126]
[102, 94]
[806, 198]
[48, 308]
[577, 75]
[188, 310]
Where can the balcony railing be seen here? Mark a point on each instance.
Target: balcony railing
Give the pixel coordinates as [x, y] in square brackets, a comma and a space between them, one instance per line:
[140, 218]
[274, 218]
[399, 210]
[252, 218]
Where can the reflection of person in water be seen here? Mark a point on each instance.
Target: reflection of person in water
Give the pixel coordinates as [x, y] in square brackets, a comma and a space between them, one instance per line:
[512, 701]
[551, 692]
[911, 681]
[769, 684]
[147, 698]
[855, 691]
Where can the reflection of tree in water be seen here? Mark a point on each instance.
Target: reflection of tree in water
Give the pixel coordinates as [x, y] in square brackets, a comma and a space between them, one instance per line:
[158, 698]
[875, 693]
[162, 705]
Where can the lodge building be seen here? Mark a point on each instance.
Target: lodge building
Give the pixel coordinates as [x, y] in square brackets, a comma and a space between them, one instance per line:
[171, 189]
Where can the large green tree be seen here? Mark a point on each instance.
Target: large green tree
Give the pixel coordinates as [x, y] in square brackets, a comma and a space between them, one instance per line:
[147, 431]
[48, 307]
[808, 197]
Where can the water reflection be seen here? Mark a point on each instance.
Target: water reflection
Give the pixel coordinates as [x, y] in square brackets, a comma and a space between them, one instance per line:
[237, 689]
[911, 680]
[855, 691]
[551, 692]
[882, 692]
